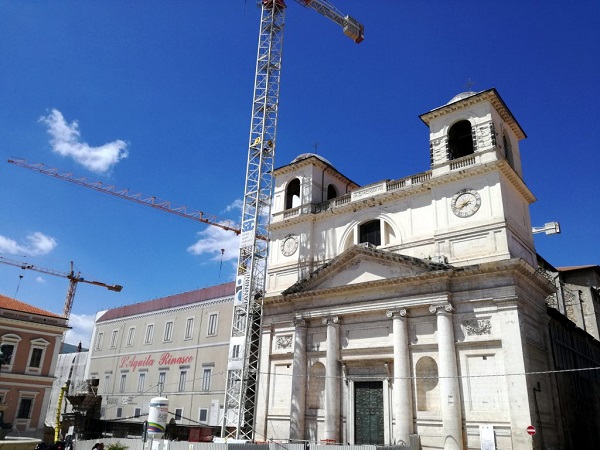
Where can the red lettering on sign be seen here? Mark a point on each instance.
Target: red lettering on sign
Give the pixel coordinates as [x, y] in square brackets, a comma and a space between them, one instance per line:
[165, 359]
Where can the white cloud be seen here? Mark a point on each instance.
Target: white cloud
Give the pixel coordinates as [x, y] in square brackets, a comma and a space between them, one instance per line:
[237, 204]
[212, 240]
[40, 280]
[65, 142]
[81, 331]
[35, 244]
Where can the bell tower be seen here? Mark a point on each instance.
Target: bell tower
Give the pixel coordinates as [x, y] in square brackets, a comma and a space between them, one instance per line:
[473, 124]
[474, 153]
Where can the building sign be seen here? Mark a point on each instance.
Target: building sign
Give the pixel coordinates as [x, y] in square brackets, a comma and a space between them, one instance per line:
[369, 191]
[165, 359]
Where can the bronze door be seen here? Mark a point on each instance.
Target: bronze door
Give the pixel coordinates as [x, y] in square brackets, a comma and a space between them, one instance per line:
[368, 413]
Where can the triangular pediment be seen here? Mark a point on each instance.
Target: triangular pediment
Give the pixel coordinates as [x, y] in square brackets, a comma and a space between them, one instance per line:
[362, 264]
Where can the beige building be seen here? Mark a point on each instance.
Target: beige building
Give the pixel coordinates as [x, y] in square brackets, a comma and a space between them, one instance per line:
[174, 346]
[410, 307]
[31, 338]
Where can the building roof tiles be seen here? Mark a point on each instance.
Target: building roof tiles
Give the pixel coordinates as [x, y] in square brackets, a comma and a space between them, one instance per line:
[16, 305]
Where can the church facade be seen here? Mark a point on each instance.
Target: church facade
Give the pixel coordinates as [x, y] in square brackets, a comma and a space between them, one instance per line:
[410, 307]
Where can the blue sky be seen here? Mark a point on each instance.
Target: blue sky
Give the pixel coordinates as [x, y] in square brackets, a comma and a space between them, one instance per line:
[156, 96]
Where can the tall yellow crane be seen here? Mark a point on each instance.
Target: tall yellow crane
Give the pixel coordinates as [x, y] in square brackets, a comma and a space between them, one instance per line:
[73, 278]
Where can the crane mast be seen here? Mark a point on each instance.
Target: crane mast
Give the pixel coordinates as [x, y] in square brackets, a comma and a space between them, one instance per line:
[242, 367]
[243, 361]
[73, 278]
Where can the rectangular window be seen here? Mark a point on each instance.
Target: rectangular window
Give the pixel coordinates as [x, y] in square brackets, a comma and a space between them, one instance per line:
[113, 338]
[119, 412]
[178, 413]
[182, 377]
[130, 336]
[99, 339]
[122, 383]
[168, 332]
[212, 324]
[161, 381]
[149, 334]
[203, 415]
[206, 376]
[7, 351]
[106, 387]
[137, 412]
[36, 357]
[24, 411]
[141, 382]
[370, 232]
[189, 328]
[235, 352]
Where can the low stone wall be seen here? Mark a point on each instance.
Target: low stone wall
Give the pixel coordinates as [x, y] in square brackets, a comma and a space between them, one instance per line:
[17, 443]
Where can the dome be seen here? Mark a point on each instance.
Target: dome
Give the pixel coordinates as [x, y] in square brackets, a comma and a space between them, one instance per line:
[461, 96]
[308, 155]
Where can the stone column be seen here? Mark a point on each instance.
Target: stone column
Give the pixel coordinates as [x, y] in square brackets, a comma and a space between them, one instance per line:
[298, 406]
[332, 380]
[450, 400]
[402, 392]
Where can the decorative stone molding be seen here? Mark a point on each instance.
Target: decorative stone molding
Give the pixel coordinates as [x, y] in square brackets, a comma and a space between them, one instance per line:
[330, 320]
[283, 342]
[446, 307]
[477, 327]
[298, 322]
[398, 312]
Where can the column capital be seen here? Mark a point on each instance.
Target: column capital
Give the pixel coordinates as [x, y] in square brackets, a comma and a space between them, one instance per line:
[441, 307]
[298, 322]
[396, 312]
[330, 320]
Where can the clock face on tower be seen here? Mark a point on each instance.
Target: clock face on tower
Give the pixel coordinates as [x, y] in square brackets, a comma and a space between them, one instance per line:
[465, 203]
[289, 245]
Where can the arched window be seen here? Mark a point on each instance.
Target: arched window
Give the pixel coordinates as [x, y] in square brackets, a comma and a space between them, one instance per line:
[370, 232]
[427, 382]
[460, 140]
[331, 192]
[292, 194]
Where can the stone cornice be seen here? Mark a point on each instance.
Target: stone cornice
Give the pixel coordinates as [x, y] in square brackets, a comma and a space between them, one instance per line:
[508, 266]
[25, 380]
[23, 325]
[368, 306]
[515, 266]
